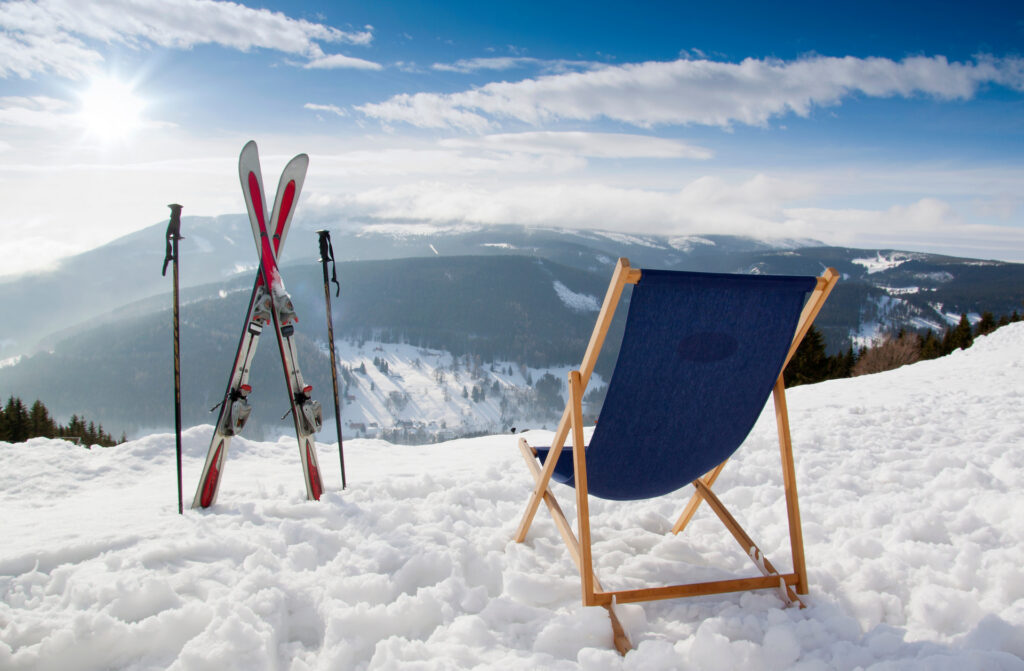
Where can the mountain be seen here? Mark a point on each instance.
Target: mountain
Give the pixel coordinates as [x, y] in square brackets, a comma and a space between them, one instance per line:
[881, 288]
[93, 336]
[464, 318]
[86, 287]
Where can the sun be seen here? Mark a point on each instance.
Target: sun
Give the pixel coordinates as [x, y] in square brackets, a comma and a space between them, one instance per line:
[110, 109]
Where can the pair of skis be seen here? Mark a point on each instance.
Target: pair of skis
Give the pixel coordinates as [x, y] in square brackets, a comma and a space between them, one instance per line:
[268, 304]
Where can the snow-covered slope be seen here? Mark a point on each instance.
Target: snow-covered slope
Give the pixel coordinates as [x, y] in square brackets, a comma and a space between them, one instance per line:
[415, 395]
[910, 495]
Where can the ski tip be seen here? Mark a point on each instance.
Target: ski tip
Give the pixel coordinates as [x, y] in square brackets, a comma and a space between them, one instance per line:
[298, 162]
[249, 153]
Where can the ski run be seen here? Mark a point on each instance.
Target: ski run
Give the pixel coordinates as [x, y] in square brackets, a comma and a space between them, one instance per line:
[909, 490]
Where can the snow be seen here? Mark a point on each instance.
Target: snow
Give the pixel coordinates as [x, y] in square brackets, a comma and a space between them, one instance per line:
[902, 291]
[575, 301]
[403, 231]
[10, 361]
[883, 262]
[421, 391]
[687, 243]
[626, 239]
[909, 491]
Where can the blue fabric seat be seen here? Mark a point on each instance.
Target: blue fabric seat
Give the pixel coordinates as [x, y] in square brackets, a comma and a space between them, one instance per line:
[699, 357]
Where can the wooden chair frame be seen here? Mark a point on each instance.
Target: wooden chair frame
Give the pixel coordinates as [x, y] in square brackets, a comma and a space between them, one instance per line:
[792, 584]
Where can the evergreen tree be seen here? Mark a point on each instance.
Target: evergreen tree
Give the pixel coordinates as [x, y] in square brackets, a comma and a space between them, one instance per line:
[810, 363]
[960, 337]
[986, 325]
[17, 420]
[841, 365]
[931, 346]
[549, 390]
[40, 423]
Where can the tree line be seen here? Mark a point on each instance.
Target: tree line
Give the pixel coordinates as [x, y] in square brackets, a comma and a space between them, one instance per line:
[811, 364]
[19, 422]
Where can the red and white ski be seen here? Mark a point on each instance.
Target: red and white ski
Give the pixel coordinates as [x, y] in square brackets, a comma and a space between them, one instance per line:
[269, 303]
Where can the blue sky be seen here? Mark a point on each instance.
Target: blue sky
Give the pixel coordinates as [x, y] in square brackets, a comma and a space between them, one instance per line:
[861, 124]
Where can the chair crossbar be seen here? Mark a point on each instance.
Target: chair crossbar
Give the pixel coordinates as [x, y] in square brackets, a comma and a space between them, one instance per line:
[697, 589]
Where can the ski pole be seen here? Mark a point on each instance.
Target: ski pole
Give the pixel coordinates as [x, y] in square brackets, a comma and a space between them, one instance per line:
[327, 256]
[172, 236]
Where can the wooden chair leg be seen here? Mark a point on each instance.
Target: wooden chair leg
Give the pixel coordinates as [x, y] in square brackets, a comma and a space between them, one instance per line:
[796, 534]
[619, 637]
[743, 538]
[695, 500]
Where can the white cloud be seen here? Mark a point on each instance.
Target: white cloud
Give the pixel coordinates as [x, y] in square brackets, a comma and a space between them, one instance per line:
[35, 112]
[333, 109]
[760, 206]
[426, 110]
[705, 205]
[468, 65]
[928, 224]
[579, 143]
[441, 162]
[24, 54]
[697, 91]
[339, 61]
[50, 35]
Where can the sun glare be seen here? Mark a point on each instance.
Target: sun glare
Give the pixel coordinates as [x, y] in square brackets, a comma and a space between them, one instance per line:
[110, 109]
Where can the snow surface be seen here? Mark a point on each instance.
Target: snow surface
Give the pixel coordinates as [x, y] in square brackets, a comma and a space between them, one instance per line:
[575, 301]
[10, 361]
[883, 262]
[403, 231]
[422, 391]
[687, 243]
[909, 491]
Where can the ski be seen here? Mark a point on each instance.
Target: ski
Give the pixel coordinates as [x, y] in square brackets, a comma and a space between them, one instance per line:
[234, 406]
[307, 413]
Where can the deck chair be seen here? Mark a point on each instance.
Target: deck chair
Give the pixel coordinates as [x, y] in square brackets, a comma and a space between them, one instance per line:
[700, 354]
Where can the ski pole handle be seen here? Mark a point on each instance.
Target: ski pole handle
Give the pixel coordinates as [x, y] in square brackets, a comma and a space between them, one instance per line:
[327, 256]
[173, 233]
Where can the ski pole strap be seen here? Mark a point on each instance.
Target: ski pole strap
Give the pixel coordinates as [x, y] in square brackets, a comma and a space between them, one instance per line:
[173, 233]
[327, 256]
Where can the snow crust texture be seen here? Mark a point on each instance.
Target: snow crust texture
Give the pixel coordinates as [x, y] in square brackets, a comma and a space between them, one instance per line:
[910, 495]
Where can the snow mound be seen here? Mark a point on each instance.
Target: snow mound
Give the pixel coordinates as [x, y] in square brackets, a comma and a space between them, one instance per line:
[912, 517]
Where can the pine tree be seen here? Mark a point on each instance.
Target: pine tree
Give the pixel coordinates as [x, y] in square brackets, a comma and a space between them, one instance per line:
[40, 423]
[841, 365]
[960, 337]
[986, 325]
[810, 363]
[17, 420]
[931, 346]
